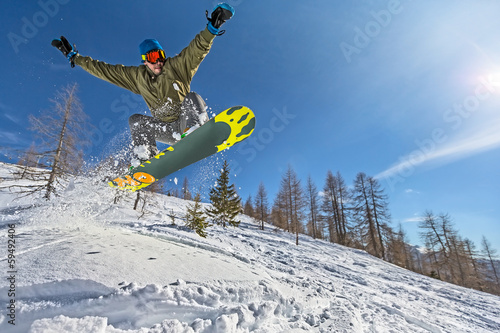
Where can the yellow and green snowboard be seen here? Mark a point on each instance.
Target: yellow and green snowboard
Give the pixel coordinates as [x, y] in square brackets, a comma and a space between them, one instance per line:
[221, 132]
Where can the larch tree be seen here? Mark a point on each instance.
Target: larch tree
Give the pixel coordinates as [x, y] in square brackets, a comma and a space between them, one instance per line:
[28, 161]
[453, 250]
[279, 211]
[186, 194]
[261, 205]
[312, 198]
[371, 212]
[248, 207]
[400, 252]
[380, 209]
[472, 255]
[294, 201]
[446, 247]
[62, 134]
[490, 254]
[334, 205]
[434, 241]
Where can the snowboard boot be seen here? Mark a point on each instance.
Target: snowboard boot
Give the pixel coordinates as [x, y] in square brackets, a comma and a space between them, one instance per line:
[193, 113]
[142, 154]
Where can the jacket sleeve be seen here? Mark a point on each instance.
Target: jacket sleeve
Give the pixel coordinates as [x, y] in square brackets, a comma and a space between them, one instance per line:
[186, 63]
[122, 76]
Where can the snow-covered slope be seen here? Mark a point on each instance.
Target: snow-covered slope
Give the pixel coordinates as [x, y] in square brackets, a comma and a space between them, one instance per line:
[84, 264]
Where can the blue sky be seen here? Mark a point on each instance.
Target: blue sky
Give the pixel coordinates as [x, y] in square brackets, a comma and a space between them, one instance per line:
[406, 91]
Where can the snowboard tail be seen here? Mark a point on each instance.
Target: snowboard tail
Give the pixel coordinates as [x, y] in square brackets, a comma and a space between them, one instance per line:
[221, 132]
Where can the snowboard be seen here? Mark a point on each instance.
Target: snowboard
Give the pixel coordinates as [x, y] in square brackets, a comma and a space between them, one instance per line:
[221, 132]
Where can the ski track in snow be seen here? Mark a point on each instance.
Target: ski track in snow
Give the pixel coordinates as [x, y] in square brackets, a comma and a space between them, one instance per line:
[87, 265]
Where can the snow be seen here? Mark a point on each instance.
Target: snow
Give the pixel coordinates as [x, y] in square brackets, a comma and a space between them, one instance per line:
[177, 136]
[84, 264]
[142, 152]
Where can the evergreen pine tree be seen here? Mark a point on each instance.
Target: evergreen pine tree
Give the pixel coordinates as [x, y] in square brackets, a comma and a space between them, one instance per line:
[226, 204]
[195, 219]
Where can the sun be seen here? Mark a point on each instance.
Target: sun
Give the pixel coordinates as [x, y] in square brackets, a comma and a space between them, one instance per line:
[494, 79]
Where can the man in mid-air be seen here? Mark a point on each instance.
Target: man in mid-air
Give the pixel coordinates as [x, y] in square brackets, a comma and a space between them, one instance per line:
[163, 82]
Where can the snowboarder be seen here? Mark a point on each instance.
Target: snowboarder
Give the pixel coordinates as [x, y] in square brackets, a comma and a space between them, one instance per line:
[163, 82]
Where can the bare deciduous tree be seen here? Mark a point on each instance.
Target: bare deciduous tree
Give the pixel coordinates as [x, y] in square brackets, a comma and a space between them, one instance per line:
[490, 254]
[313, 207]
[186, 194]
[289, 204]
[248, 207]
[371, 213]
[335, 197]
[61, 136]
[261, 205]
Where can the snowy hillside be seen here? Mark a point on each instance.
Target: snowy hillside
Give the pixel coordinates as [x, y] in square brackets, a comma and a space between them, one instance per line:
[84, 264]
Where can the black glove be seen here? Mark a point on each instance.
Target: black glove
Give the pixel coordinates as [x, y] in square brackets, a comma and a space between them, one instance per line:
[65, 47]
[221, 13]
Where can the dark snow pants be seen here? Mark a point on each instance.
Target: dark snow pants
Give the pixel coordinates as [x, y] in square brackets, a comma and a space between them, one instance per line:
[146, 130]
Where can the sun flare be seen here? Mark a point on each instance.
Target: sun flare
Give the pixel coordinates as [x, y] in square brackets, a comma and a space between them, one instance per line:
[494, 79]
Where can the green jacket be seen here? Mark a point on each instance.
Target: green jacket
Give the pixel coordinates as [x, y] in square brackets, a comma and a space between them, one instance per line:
[165, 92]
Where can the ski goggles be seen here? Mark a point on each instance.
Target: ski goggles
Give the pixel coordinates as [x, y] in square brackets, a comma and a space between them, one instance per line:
[154, 56]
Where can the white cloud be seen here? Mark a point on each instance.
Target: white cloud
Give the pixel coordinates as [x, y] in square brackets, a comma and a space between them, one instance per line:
[415, 219]
[483, 140]
[9, 113]
[13, 118]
